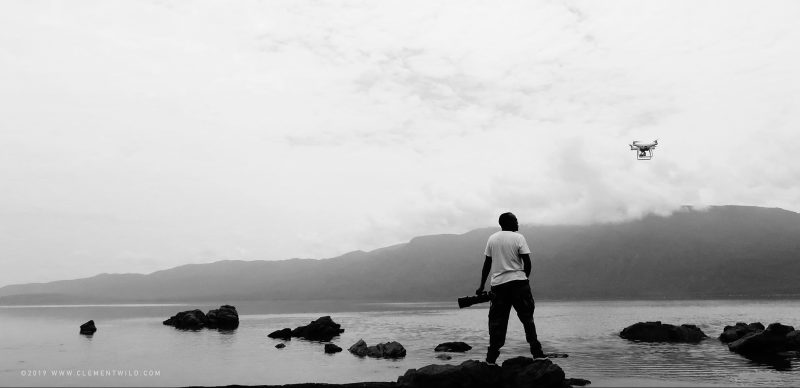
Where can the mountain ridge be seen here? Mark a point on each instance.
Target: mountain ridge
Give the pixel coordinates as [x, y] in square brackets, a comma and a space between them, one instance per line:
[724, 251]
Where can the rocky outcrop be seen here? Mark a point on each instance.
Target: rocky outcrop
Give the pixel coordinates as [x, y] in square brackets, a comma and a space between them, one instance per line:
[188, 320]
[515, 372]
[383, 350]
[739, 330]
[452, 347]
[776, 338]
[322, 329]
[224, 318]
[88, 328]
[662, 332]
[331, 348]
[284, 334]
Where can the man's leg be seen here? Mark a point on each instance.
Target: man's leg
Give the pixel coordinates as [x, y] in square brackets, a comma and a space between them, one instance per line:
[522, 300]
[499, 309]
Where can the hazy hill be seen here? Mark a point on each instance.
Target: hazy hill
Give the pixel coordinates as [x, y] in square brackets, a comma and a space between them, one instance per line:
[728, 251]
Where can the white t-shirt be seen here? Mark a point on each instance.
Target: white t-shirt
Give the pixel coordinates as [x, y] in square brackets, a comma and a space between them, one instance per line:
[504, 247]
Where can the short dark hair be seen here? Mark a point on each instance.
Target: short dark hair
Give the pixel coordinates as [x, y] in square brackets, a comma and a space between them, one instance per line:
[507, 219]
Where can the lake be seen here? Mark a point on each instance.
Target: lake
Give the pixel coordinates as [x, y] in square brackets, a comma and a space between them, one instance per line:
[40, 345]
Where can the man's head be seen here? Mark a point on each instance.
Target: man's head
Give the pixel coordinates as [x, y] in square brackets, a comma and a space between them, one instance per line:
[508, 221]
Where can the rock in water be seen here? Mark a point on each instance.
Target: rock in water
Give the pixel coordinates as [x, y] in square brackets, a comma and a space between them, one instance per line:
[389, 350]
[323, 329]
[444, 356]
[733, 333]
[280, 346]
[359, 348]
[776, 338]
[225, 318]
[88, 328]
[384, 350]
[190, 320]
[658, 332]
[284, 334]
[331, 348]
[452, 347]
[515, 372]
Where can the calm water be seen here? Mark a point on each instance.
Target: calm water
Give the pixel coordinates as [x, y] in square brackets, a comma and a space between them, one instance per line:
[131, 341]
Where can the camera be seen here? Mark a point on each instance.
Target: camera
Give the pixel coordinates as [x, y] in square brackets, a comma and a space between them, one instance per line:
[466, 301]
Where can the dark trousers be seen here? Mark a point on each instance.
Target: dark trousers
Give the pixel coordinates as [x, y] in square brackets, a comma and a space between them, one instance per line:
[517, 294]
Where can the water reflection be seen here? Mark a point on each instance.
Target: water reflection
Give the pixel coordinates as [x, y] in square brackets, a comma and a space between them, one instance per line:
[772, 361]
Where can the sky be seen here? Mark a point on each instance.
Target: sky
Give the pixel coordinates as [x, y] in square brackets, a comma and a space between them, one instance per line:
[136, 136]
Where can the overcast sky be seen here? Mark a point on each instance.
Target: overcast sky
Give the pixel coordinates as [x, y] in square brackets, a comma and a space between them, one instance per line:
[141, 135]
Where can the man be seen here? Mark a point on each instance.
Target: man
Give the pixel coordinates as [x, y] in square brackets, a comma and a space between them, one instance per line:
[509, 263]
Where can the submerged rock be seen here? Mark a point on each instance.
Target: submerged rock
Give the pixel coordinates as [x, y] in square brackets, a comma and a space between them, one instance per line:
[331, 348]
[284, 334]
[322, 329]
[444, 356]
[225, 317]
[452, 347]
[735, 332]
[776, 338]
[662, 332]
[280, 346]
[515, 372]
[190, 319]
[88, 328]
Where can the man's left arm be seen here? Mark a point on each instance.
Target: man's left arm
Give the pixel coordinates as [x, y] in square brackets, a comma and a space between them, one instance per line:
[526, 261]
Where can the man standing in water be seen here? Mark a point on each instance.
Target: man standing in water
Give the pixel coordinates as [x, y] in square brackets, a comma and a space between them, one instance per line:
[509, 263]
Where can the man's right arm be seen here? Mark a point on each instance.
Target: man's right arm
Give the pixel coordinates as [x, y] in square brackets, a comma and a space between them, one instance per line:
[487, 266]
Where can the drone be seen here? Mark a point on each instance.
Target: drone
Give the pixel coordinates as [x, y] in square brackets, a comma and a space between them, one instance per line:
[645, 150]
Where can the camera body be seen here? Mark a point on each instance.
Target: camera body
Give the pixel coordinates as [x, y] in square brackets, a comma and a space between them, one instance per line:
[466, 301]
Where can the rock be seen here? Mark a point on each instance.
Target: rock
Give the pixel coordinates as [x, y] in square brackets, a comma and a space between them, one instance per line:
[733, 333]
[470, 374]
[444, 356]
[322, 329]
[527, 372]
[387, 350]
[774, 339]
[383, 350]
[88, 328]
[331, 348]
[556, 355]
[280, 346]
[225, 318]
[452, 347]
[658, 332]
[515, 372]
[793, 339]
[284, 334]
[359, 348]
[190, 320]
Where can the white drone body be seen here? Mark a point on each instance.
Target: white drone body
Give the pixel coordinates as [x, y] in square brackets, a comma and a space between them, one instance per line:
[644, 150]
